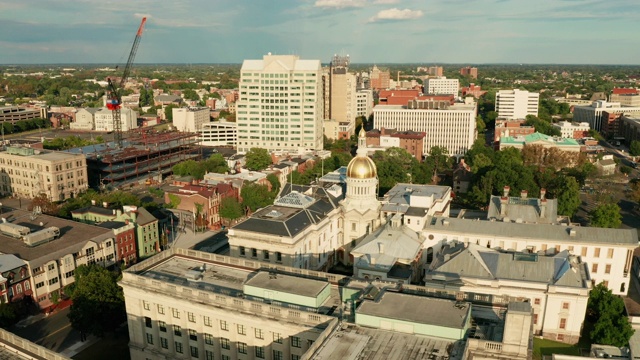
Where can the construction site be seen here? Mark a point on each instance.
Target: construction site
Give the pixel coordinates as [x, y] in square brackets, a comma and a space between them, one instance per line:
[144, 157]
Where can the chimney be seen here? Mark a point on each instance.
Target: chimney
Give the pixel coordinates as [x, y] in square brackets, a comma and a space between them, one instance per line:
[572, 232]
[126, 221]
[543, 193]
[523, 194]
[543, 207]
[381, 248]
[506, 191]
[93, 202]
[372, 260]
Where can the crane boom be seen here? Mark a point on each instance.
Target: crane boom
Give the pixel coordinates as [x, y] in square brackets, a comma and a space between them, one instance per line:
[114, 102]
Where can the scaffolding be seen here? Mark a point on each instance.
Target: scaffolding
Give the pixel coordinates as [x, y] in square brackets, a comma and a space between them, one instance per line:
[142, 154]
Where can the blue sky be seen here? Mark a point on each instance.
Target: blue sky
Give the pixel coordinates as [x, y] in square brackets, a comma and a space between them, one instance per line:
[370, 31]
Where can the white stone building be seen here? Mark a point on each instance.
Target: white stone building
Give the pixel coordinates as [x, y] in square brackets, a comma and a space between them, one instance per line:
[607, 252]
[281, 104]
[219, 133]
[569, 129]
[442, 85]
[104, 119]
[190, 119]
[516, 104]
[453, 127]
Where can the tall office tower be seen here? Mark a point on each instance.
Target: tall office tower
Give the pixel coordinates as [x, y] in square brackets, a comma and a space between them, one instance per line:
[281, 104]
[516, 104]
[469, 71]
[379, 79]
[435, 70]
[342, 96]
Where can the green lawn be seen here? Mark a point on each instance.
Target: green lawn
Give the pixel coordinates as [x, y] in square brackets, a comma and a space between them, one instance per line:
[544, 347]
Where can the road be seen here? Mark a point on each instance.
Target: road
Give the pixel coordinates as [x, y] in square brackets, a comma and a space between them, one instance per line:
[53, 332]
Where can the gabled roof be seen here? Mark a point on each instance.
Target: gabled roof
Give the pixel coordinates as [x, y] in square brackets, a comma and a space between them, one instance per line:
[9, 262]
[94, 210]
[526, 210]
[388, 245]
[476, 261]
[144, 217]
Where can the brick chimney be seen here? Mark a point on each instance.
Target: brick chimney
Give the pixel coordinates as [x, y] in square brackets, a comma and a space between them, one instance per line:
[523, 194]
[506, 191]
[504, 200]
[543, 193]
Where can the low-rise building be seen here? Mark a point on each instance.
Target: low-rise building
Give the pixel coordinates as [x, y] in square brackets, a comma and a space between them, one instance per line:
[12, 114]
[146, 225]
[416, 202]
[53, 248]
[608, 252]
[202, 201]
[14, 279]
[606, 166]
[594, 113]
[546, 141]
[572, 130]
[27, 172]
[411, 141]
[557, 287]
[125, 239]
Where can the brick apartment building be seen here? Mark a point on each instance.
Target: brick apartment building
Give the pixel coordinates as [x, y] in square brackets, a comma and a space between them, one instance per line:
[209, 197]
[411, 141]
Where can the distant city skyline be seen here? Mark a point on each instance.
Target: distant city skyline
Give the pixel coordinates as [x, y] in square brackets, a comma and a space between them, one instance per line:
[370, 31]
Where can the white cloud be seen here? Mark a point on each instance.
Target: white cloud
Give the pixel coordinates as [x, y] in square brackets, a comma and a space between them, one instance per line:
[386, 2]
[397, 14]
[339, 4]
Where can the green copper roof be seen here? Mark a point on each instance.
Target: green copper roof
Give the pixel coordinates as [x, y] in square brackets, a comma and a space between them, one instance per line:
[538, 137]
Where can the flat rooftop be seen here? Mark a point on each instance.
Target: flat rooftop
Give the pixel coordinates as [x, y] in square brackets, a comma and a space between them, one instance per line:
[403, 307]
[287, 284]
[362, 343]
[73, 236]
[227, 280]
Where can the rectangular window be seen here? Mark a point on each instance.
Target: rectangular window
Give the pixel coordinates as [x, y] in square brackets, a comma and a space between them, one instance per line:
[610, 254]
[594, 268]
[278, 256]
[224, 343]
[208, 355]
[176, 313]
[277, 355]
[563, 323]
[147, 322]
[295, 341]
[241, 250]
[242, 330]
[277, 338]
[149, 339]
[163, 326]
[193, 335]
[596, 252]
[223, 325]
[164, 343]
[536, 301]
[177, 331]
[191, 316]
[145, 304]
[583, 252]
[265, 254]
[208, 339]
[225, 357]
[535, 319]
[259, 334]
[242, 348]
[254, 252]
[565, 305]
[206, 320]
[295, 357]
[259, 352]
[178, 347]
[607, 269]
[194, 351]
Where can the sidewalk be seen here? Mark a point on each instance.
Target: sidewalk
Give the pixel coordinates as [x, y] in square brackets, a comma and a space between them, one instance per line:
[79, 346]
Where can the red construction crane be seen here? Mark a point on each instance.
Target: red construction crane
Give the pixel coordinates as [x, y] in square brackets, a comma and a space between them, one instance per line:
[114, 103]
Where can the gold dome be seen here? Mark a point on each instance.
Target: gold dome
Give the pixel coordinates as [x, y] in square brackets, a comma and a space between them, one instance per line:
[361, 167]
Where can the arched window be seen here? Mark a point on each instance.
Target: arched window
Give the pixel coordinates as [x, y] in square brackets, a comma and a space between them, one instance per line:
[19, 289]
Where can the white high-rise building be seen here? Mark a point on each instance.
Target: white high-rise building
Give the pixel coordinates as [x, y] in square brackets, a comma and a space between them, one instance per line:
[442, 86]
[281, 104]
[364, 102]
[190, 119]
[452, 127]
[516, 104]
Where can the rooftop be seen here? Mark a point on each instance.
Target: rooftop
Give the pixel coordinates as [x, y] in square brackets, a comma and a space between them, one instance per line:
[287, 284]
[454, 107]
[73, 236]
[538, 137]
[626, 237]
[390, 305]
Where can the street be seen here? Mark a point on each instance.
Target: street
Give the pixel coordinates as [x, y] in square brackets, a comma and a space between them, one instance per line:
[53, 332]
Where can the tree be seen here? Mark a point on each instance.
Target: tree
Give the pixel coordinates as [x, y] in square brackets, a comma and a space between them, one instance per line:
[168, 112]
[256, 196]
[275, 183]
[567, 192]
[257, 159]
[439, 161]
[44, 203]
[394, 165]
[634, 148]
[606, 216]
[230, 209]
[606, 311]
[98, 301]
